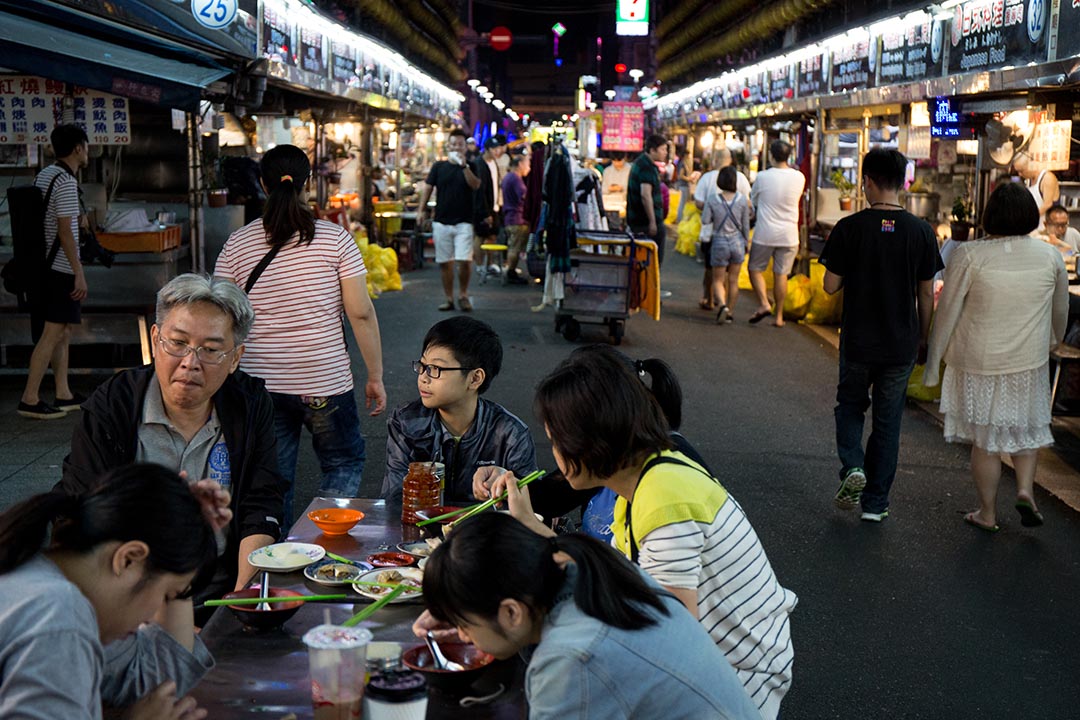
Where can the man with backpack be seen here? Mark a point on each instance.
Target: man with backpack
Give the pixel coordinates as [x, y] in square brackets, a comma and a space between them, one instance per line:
[57, 302]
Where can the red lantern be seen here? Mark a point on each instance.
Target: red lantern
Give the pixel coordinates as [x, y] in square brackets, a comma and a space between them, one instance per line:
[620, 68]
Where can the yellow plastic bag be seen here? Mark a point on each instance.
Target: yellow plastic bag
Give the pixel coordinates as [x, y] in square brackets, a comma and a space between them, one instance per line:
[799, 291]
[390, 262]
[673, 206]
[689, 229]
[825, 309]
[744, 276]
[917, 391]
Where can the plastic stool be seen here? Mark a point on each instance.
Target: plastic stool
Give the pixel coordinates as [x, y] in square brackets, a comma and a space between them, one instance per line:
[487, 249]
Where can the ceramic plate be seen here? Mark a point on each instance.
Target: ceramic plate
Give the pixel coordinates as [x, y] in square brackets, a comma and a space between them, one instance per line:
[418, 549]
[391, 559]
[286, 556]
[331, 572]
[376, 593]
[422, 563]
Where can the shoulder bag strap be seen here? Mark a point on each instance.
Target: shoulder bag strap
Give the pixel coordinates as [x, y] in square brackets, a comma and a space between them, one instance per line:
[55, 248]
[258, 271]
[727, 208]
[658, 460]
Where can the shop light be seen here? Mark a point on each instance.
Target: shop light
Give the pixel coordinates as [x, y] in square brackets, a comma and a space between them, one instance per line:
[609, 94]
[386, 126]
[473, 82]
[499, 104]
[636, 73]
[487, 100]
[481, 89]
[391, 142]
[494, 127]
[439, 136]
[706, 140]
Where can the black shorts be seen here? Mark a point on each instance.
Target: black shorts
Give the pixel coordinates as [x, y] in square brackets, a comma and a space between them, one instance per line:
[53, 302]
[706, 250]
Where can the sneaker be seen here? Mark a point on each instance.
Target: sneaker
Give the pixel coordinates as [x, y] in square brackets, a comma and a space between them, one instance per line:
[723, 316]
[464, 304]
[41, 411]
[875, 517]
[448, 305]
[75, 402]
[850, 491]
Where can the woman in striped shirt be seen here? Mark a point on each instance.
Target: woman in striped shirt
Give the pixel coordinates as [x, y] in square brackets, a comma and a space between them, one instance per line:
[672, 517]
[311, 271]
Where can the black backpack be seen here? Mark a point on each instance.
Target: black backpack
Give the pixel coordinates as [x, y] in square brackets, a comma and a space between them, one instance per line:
[24, 272]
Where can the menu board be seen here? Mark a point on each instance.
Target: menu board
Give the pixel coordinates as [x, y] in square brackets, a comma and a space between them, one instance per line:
[343, 63]
[853, 65]
[1068, 29]
[312, 56]
[811, 78]
[912, 53]
[30, 108]
[987, 34]
[277, 34]
[371, 74]
[758, 85]
[624, 127]
[1049, 146]
[782, 83]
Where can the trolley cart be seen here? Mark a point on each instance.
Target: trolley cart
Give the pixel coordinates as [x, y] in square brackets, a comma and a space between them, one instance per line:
[603, 278]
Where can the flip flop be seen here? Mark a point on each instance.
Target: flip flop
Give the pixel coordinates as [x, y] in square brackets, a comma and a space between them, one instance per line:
[759, 316]
[1029, 516]
[705, 305]
[970, 520]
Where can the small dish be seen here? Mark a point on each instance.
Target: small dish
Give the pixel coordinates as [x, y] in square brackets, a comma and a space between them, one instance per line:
[419, 549]
[254, 619]
[391, 559]
[286, 556]
[335, 521]
[331, 572]
[408, 574]
[422, 562]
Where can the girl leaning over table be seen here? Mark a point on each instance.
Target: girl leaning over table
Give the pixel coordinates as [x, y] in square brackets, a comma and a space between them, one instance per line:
[72, 631]
[672, 518]
[602, 640]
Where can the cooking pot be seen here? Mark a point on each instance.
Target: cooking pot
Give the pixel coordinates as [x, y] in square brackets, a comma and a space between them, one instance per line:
[924, 205]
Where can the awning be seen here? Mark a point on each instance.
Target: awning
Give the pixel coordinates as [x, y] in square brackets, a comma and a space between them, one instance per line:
[34, 47]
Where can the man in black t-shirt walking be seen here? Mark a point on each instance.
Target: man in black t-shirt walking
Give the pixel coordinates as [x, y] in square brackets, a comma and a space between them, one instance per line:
[885, 259]
[452, 228]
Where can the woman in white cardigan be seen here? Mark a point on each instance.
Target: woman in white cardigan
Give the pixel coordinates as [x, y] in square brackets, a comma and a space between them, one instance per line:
[1004, 305]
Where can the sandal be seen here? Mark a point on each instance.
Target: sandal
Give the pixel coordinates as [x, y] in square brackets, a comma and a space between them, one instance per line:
[705, 305]
[970, 520]
[759, 316]
[1029, 516]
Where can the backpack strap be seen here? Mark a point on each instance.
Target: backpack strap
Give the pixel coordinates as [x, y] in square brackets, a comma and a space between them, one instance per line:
[727, 208]
[258, 271]
[653, 462]
[55, 248]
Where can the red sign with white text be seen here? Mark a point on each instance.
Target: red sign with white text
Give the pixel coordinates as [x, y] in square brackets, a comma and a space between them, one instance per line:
[624, 127]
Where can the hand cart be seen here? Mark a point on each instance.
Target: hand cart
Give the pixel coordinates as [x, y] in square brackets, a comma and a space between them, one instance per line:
[604, 277]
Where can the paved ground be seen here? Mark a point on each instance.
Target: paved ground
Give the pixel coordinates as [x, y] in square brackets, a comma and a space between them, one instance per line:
[921, 617]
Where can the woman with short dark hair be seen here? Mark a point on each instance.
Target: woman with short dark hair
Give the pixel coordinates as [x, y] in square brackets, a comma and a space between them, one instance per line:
[1004, 305]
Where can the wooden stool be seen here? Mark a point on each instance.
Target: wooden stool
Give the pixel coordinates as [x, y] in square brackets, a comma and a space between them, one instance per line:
[487, 249]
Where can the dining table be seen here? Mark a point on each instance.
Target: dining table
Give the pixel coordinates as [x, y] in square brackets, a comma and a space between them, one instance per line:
[264, 674]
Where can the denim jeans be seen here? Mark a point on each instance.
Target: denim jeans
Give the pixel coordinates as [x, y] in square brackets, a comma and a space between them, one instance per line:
[888, 385]
[334, 424]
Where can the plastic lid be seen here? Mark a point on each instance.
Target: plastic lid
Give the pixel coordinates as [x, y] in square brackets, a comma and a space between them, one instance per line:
[383, 656]
[336, 637]
[397, 687]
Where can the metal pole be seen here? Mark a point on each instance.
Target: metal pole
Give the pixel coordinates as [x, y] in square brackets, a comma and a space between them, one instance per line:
[195, 194]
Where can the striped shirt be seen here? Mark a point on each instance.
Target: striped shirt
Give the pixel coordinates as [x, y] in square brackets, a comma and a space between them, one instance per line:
[692, 535]
[296, 344]
[64, 203]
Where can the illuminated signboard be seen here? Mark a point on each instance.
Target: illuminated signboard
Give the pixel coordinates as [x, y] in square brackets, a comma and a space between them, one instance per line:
[945, 118]
[632, 17]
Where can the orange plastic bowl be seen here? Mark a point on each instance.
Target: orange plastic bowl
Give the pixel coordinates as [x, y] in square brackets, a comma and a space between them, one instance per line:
[335, 521]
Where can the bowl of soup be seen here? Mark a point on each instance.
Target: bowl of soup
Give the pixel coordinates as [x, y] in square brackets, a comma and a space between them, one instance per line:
[474, 660]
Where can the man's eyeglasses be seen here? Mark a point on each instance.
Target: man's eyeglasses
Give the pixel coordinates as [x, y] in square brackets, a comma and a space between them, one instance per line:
[434, 371]
[182, 349]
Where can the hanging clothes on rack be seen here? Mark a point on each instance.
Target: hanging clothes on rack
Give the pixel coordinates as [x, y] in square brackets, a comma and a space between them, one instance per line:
[558, 220]
[589, 200]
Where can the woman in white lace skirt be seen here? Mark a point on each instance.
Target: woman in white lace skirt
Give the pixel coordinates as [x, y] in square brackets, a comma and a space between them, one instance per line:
[1004, 305]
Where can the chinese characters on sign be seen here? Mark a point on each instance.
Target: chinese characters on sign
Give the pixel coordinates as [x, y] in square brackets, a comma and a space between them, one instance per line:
[853, 66]
[812, 79]
[991, 33]
[1049, 146]
[624, 127]
[911, 53]
[30, 107]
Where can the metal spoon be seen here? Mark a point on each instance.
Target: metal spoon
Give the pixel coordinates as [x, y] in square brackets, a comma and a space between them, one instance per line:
[264, 591]
[437, 656]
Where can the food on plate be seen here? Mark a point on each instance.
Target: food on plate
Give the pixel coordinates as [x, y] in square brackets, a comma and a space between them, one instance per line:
[336, 571]
[393, 577]
[433, 543]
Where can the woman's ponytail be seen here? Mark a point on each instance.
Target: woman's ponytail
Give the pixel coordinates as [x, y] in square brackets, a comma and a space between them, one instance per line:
[285, 169]
[460, 580]
[665, 388]
[24, 527]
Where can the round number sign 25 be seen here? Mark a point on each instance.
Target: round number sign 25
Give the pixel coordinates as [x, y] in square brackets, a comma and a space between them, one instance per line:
[214, 14]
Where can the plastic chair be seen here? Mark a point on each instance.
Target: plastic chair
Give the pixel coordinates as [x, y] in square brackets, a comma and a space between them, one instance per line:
[500, 255]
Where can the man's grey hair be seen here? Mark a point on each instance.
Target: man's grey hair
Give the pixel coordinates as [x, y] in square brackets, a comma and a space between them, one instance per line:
[191, 288]
[723, 158]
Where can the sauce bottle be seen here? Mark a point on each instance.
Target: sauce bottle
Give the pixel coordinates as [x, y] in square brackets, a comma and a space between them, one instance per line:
[420, 489]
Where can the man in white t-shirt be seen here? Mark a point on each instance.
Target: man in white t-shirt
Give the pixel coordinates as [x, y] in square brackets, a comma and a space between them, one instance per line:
[616, 176]
[57, 304]
[706, 188]
[775, 197]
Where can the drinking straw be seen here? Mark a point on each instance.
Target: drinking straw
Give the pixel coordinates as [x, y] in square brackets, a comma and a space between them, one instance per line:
[480, 507]
[370, 609]
[285, 598]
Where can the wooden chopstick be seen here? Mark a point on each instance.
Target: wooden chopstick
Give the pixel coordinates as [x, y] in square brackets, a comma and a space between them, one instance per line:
[480, 507]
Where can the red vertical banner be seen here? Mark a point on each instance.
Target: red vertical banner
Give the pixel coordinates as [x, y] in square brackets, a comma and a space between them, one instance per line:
[624, 127]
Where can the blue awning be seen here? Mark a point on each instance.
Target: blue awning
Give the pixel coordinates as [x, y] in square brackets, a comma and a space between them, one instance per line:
[37, 48]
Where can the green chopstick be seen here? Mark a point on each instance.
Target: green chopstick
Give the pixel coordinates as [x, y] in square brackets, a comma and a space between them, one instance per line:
[285, 598]
[340, 559]
[370, 609]
[479, 507]
[379, 584]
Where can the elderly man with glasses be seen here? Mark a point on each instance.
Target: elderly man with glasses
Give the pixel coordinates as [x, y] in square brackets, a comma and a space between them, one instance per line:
[1061, 233]
[194, 412]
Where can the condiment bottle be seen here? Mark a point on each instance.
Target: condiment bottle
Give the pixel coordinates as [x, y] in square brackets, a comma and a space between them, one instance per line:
[420, 489]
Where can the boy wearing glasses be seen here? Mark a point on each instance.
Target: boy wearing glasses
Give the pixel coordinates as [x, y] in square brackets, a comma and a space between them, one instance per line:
[450, 423]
